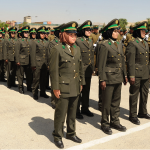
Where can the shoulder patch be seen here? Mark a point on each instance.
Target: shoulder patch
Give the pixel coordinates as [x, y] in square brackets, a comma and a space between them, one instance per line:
[63, 46]
[109, 43]
[137, 41]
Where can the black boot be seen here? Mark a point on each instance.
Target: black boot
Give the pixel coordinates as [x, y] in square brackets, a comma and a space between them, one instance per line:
[48, 88]
[44, 95]
[74, 138]
[87, 113]
[35, 97]
[59, 144]
[79, 115]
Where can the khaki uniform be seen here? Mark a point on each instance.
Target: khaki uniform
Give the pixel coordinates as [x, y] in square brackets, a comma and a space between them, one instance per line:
[9, 54]
[67, 76]
[87, 53]
[51, 37]
[23, 50]
[111, 69]
[137, 56]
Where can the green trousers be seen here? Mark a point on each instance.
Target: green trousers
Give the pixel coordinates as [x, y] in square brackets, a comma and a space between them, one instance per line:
[65, 106]
[20, 74]
[39, 78]
[140, 87]
[11, 73]
[100, 96]
[111, 97]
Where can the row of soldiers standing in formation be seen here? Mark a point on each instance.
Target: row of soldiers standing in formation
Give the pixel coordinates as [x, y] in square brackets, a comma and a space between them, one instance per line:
[69, 59]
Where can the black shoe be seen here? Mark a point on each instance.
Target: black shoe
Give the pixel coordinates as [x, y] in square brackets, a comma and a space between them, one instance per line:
[14, 85]
[118, 127]
[3, 80]
[21, 91]
[35, 97]
[44, 95]
[73, 138]
[59, 144]
[134, 120]
[87, 113]
[48, 88]
[106, 130]
[53, 106]
[9, 86]
[79, 115]
[146, 116]
[29, 89]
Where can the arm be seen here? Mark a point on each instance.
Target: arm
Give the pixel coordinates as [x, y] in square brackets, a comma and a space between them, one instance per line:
[17, 50]
[5, 52]
[33, 54]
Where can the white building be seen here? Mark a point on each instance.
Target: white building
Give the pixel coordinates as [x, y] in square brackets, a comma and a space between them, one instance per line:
[27, 19]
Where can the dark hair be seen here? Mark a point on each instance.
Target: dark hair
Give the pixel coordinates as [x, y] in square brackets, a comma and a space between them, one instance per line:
[137, 33]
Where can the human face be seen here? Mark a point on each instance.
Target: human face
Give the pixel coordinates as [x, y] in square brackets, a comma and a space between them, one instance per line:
[0, 35]
[95, 30]
[115, 34]
[52, 33]
[33, 35]
[13, 34]
[72, 37]
[88, 32]
[46, 35]
[143, 33]
[26, 34]
[42, 35]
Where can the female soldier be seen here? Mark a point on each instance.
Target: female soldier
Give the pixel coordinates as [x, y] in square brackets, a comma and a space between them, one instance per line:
[112, 73]
[67, 80]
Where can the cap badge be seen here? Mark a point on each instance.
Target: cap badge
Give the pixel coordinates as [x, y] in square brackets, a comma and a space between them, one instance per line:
[74, 24]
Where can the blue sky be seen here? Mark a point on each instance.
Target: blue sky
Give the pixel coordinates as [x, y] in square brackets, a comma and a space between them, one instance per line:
[62, 11]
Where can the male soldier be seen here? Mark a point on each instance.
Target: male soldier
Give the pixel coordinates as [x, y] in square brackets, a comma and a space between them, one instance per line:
[54, 42]
[137, 56]
[94, 36]
[32, 32]
[51, 36]
[1, 57]
[23, 50]
[67, 80]
[87, 53]
[120, 36]
[39, 63]
[47, 32]
[19, 34]
[9, 57]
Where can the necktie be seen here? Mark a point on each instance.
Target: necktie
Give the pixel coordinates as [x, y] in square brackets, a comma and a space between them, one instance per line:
[116, 44]
[71, 48]
[143, 43]
[87, 40]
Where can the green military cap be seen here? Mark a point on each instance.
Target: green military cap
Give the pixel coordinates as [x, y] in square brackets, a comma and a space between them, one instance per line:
[12, 29]
[19, 31]
[3, 31]
[121, 30]
[131, 26]
[25, 28]
[124, 30]
[47, 30]
[41, 29]
[32, 30]
[52, 30]
[86, 24]
[70, 27]
[112, 24]
[95, 27]
[142, 25]
[58, 28]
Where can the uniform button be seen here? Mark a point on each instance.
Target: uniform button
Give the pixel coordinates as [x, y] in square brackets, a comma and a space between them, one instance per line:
[119, 54]
[74, 71]
[73, 63]
[66, 60]
[118, 59]
[146, 56]
[146, 52]
[146, 60]
[140, 53]
[89, 54]
[63, 81]
[89, 49]
[74, 77]
[73, 58]
[13, 53]
[28, 48]
[28, 51]
[112, 56]
[89, 59]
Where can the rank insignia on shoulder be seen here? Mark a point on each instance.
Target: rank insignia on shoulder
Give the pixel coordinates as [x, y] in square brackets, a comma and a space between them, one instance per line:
[63, 46]
[137, 41]
[74, 46]
[81, 39]
[109, 43]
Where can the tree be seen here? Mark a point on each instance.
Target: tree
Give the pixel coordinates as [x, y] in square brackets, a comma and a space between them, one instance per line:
[3, 25]
[23, 24]
[123, 22]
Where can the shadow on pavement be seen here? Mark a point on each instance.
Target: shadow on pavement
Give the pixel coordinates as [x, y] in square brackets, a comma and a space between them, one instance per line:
[43, 126]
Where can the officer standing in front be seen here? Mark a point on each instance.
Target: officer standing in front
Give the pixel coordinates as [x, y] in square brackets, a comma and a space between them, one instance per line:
[39, 63]
[87, 52]
[67, 80]
[23, 50]
[137, 56]
[112, 72]
[9, 57]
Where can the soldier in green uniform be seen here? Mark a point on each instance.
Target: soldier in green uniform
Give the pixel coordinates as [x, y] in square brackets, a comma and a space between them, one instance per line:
[137, 56]
[67, 79]
[23, 53]
[19, 34]
[87, 53]
[9, 57]
[120, 36]
[2, 56]
[39, 63]
[54, 42]
[51, 36]
[112, 73]
[32, 32]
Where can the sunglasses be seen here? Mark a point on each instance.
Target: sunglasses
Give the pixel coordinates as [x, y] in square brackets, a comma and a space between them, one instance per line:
[42, 32]
[26, 32]
[13, 32]
[87, 29]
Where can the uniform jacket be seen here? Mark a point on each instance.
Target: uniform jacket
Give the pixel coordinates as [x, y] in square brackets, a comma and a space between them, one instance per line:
[9, 49]
[51, 37]
[66, 70]
[94, 37]
[87, 53]
[39, 53]
[111, 65]
[2, 42]
[23, 50]
[137, 57]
